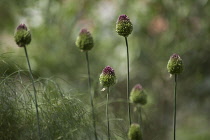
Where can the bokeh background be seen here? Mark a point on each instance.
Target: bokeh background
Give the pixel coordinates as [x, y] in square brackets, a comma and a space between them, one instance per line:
[160, 28]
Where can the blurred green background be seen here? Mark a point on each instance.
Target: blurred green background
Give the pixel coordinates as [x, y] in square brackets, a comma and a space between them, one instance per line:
[161, 28]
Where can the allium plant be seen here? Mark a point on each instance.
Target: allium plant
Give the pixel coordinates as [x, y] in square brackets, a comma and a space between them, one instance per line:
[175, 67]
[138, 95]
[124, 27]
[85, 40]
[22, 35]
[139, 98]
[135, 132]
[22, 38]
[85, 43]
[107, 79]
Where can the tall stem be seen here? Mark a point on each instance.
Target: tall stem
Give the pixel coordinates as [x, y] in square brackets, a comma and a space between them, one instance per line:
[91, 97]
[107, 113]
[140, 120]
[175, 81]
[128, 84]
[35, 93]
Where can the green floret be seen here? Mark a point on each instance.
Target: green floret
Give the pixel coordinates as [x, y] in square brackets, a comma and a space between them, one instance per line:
[138, 97]
[135, 132]
[124, 28]
[107, 80]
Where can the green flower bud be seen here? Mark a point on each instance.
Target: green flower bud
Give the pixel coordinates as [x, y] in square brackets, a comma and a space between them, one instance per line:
[135, 132]
[22, 36]
[137, 95]
[175, 65]
[124, 27]
[107, 77]
[85, 40]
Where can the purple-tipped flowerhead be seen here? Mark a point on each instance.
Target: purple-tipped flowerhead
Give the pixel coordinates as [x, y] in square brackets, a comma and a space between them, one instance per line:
[123, 17]
[85, 40]
[108, 70]
[175, 65]
[135, 132]
[107, 77]
[22, 35]
[124, 27]
[137, 87]
[137, 95]
[22, 26]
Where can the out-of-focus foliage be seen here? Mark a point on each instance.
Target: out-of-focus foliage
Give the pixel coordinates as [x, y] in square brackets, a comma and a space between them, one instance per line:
[160, 28]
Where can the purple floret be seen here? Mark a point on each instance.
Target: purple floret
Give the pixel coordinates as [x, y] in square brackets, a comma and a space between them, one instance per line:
[123, 17]
[137, 87]
[22, 26]
[108, 70]
[175, 56]
[84, 31]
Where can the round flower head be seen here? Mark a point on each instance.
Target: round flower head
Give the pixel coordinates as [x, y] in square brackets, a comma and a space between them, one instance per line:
[22, 36]
[175, 65]
[85, 40]
[124, 27]
[137, 95]
[107, 77]
[135, 132]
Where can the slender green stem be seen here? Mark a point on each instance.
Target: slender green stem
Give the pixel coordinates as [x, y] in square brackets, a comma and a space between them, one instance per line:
[138, 116]
[140, 120]
[35, 93]
[175, 81]
[107, 113]
[91, 97]
[128, 80]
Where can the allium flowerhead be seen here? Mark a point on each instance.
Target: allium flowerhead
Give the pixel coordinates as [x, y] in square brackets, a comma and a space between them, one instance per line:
[22, 35]
[124, 27]
[137, 95]
[107, 77]
[135, 132]
[175, 65]
[85, 40]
